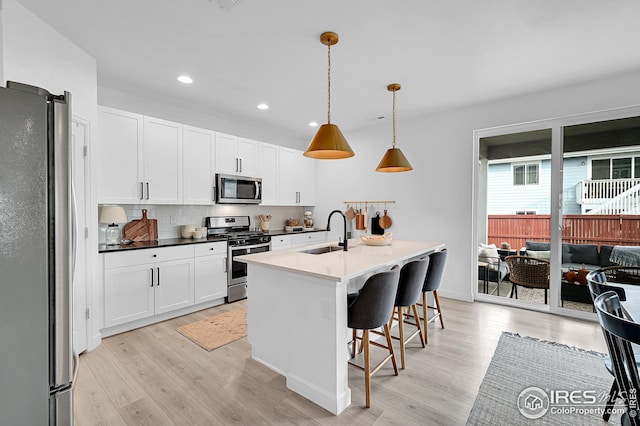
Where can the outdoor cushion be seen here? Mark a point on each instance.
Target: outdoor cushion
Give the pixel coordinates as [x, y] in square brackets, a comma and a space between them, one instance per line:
[488, 253]
[541, 254]
[580, 253]
[538, 246]
[605, 254]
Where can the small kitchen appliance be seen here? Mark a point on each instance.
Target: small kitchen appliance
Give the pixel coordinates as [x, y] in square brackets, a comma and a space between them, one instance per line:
[308, 220]
[240, 241]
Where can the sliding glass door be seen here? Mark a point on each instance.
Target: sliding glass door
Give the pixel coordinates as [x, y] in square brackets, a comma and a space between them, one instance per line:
[552, 199]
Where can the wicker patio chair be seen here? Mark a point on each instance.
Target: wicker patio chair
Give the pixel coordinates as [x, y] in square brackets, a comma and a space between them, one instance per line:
[622, 274]
[528, 272]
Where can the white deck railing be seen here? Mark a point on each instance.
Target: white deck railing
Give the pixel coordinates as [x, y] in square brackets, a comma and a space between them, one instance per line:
[597, 192]
[627, 202]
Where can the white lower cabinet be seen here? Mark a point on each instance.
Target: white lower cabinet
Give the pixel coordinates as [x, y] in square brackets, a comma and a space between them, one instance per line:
[210, 271]
[281, 242]
[147, 282]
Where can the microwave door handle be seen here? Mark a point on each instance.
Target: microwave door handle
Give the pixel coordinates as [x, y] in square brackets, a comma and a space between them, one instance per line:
[257, 197]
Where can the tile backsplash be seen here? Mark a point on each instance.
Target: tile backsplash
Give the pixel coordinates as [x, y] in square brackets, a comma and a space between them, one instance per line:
[171, 218]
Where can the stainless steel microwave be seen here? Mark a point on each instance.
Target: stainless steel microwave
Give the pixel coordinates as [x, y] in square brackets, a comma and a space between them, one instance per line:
[232, 189]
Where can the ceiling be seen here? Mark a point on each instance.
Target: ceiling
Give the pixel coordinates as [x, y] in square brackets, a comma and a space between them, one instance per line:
[445, 54]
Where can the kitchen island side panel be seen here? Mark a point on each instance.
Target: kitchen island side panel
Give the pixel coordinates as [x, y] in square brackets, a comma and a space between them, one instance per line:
[298, 327]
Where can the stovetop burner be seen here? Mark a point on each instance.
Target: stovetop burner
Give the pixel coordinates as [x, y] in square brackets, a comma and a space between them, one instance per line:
[237, 229]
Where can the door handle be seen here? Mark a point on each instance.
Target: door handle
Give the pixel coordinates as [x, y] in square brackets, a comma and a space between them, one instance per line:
[151, 269]
[240, 165]
[147, 190]
[142, 190]
[225, 265]
[237, 166]
[158, 284]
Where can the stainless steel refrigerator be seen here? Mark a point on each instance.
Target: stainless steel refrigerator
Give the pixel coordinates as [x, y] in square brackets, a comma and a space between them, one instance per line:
[36, 257]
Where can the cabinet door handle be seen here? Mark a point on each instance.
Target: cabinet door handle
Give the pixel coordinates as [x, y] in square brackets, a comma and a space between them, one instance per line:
[241, 165]
[158, 276]
[151, 269]
[237, 166]
[225, 265]
[147, 190]
[142, 190]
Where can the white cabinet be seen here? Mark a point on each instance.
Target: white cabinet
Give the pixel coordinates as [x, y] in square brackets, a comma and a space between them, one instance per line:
[162, 159]
[288, 177]
[142, 283]
[210, 271]
[236, 156]
[120, 152]
[296, 179]
[198, 147]
[140, 159]
[280, 242]
[268, 171]
[299, 240]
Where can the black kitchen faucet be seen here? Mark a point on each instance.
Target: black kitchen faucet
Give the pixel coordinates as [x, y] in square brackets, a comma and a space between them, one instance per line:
[343, 244]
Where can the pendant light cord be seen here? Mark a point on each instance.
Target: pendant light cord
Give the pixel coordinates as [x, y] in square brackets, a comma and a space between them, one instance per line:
[329, 82]
[394, 119]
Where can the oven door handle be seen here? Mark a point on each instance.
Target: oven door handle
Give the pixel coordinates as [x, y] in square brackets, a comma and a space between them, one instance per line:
[248, 248]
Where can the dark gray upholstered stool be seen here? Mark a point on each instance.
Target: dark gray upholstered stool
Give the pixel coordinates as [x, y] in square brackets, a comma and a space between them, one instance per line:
[432, 282]
[412, 277]
[369, 309]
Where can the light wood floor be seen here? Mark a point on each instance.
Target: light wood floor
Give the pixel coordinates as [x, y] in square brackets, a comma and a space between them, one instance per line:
[155, 376]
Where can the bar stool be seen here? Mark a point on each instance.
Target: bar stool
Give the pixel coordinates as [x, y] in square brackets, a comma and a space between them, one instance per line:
[432, 281]
[412, 277]
[369, 309]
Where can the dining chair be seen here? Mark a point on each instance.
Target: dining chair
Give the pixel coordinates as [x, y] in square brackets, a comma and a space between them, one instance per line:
[597, 282]
[620, 333]
[528, 272]
[370, 309]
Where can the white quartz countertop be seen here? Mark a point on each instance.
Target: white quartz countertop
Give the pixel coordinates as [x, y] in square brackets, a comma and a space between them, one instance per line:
[341, 265]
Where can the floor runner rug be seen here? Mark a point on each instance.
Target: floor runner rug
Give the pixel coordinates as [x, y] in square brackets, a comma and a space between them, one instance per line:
[534, 382]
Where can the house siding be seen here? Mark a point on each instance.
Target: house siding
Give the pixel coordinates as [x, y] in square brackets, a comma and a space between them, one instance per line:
[505, 198]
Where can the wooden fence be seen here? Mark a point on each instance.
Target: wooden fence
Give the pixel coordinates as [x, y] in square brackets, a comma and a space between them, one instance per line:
[577, 229]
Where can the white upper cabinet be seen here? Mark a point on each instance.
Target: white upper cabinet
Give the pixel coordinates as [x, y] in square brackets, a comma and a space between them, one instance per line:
[296, 179]
[162, 155]
[120, 156]
[140, 159]
[268, 171]
[236, 156]
[198, 147]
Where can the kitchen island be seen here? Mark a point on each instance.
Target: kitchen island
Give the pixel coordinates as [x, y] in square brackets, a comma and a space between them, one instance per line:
[297, 311]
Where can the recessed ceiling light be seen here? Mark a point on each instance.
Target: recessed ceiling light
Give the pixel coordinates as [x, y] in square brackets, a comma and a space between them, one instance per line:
[263, 106]
[185, 79]
[313, 124]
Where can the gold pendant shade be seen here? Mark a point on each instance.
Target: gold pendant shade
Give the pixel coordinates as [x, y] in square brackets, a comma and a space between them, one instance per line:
[394, 160]
[329, 142]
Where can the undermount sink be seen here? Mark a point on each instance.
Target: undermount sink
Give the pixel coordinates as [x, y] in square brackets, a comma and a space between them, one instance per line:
[322, 250]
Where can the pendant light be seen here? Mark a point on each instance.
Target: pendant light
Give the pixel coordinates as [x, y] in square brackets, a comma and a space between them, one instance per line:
[394, 160]
[329, 143]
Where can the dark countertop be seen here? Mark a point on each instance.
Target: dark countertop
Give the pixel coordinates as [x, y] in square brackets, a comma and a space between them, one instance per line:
[168, 242]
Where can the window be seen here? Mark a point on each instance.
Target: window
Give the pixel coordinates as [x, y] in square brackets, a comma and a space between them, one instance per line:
[523, 212]
[525, 174]
[615, 168]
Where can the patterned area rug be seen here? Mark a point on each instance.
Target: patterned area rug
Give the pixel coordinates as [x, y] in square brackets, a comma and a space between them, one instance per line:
[530, 381]
[218, 330]
[534, 295]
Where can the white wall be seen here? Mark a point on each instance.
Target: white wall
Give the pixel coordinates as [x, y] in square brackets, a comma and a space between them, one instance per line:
[163, 108]
[34, 53]
[435, 200]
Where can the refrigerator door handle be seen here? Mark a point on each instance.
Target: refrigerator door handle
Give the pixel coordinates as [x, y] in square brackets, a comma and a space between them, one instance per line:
[62, 360]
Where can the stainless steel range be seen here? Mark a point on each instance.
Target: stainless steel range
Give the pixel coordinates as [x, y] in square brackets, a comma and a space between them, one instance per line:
[241, 241]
